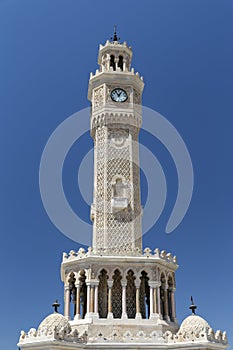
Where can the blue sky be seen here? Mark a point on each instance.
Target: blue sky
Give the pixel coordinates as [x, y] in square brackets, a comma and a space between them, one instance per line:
[183, 48]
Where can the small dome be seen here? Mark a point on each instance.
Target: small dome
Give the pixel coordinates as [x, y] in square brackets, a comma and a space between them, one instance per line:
[194, 323]
[54, 320]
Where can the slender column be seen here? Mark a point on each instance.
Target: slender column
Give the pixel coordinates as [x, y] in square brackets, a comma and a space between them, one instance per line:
[151, 301]
[173, 305]
[67, 301]
[158, 302]
[108, 61]
[77, 316]
[92, 299]
[96, 300]
[124, 65]
[166, 304]
[138, 312]
[110, 314]
[88, 299]
[124, 314]
[155, 300]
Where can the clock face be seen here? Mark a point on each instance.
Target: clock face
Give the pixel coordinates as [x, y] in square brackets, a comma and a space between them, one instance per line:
[119, 95]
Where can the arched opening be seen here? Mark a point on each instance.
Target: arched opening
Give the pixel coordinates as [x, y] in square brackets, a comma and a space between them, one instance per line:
[103, 294]
[119, 196]
[162, 295]
[130, 295]
[83, 294]
[112, 62]
[118, 188]
[144, 295]
[117, 294]
[170, 291]
[72, 288]
[120, 62]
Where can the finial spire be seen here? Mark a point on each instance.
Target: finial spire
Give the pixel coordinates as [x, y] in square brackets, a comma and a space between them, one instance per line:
[193, 307]
[55, 306]
[115, 38]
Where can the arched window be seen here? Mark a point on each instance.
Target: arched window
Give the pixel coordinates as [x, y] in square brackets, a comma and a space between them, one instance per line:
[144, 295]
[170, 288]
[103, 294]
[130, 295]
[162, 295]
[112, 62]
[120, 62]
[72, 294]
[117, 294]
[118, 189]
[83, 294]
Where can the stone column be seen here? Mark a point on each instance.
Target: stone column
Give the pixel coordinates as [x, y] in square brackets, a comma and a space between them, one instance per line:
[158, 301]
[67, 302]
[88, 283]
[108, 62]
[124, 313]
[153, 299]
[96, 300]
[173, 305]
[110, 314]
[92, 299]
[78, 286]
[124, 64]
[166, 316]
[116, 62]
[138, 311]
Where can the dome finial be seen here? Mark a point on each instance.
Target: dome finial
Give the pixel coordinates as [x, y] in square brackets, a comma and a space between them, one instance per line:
[115, 38]
[55, 306]
[192, 307]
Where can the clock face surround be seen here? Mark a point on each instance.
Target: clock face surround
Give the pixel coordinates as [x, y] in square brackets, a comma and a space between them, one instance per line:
[119, 95]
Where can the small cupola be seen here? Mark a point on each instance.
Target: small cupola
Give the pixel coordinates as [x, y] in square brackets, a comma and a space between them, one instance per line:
[115, 56]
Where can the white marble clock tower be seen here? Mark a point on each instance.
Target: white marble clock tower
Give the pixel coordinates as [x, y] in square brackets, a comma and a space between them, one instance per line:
[117, 295]
[115, 92]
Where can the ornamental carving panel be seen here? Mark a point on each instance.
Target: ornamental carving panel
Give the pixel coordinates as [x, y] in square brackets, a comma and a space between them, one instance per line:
[137, 97]
[118, 138]
[100, 153]
[99, 97]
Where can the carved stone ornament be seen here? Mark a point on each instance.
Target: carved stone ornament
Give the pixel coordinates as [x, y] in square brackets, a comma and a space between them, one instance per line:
[118, 138]
[99, 97]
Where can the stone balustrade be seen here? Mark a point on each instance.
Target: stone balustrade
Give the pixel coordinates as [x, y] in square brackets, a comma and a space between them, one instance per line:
[147, 252]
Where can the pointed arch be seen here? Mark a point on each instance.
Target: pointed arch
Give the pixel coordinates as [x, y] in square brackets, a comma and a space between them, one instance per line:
[144, 295]
[162, 293]
[120, 62]
[112, 62]
[103, 294]
[72, 288]
[117, 294]
[83, 293]
[130, 294]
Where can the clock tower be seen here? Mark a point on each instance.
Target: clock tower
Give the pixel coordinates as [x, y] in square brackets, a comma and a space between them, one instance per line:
[116, 294]
[115, 92]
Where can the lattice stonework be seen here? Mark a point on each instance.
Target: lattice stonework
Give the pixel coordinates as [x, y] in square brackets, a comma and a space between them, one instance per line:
[99, 192]
[116, 156]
